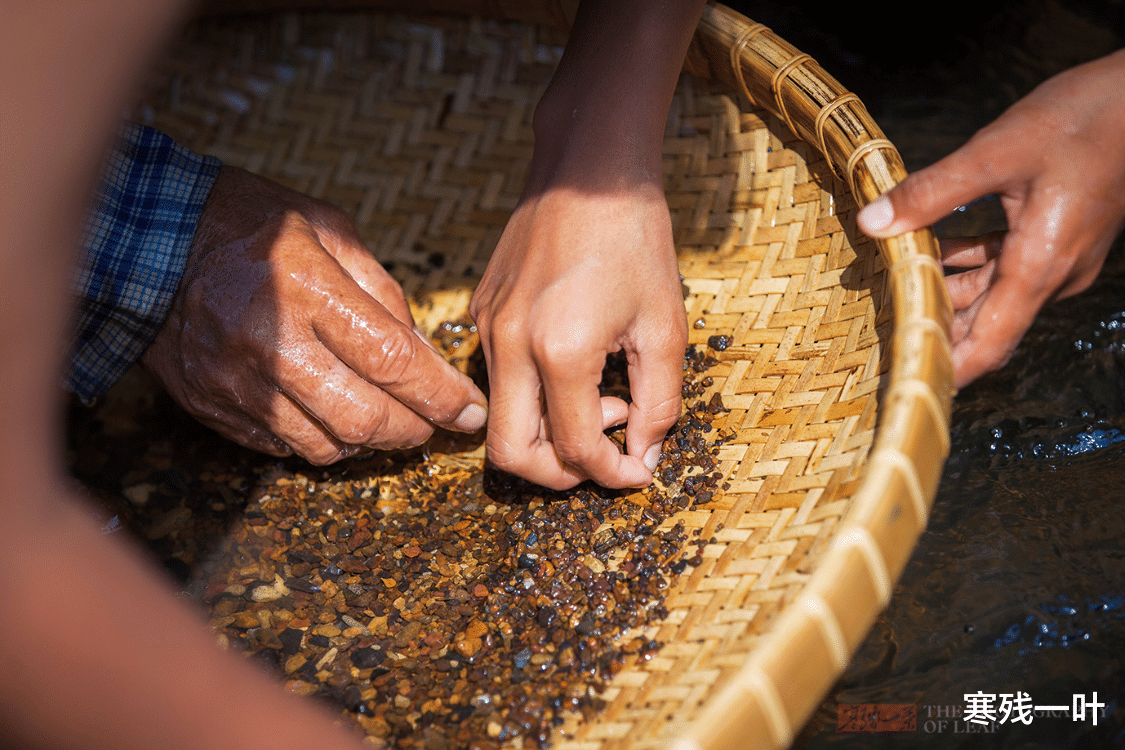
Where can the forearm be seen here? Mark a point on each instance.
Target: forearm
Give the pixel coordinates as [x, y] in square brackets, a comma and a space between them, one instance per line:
[95, 652]
[98, 653]
[600, 124]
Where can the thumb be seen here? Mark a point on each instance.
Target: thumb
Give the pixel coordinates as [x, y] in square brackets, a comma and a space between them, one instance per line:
[929, 194]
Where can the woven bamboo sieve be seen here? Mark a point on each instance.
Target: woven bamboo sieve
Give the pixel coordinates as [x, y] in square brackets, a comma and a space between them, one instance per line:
[838, 378]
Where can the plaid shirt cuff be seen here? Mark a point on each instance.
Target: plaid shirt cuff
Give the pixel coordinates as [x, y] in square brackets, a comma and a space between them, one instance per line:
[137, 235]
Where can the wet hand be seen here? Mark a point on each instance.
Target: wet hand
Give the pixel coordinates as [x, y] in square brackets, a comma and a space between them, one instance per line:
[286, 336]
[1057, 160]
[577, 276]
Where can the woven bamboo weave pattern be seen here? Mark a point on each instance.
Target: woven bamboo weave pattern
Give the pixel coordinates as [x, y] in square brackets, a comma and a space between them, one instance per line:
[836, 376]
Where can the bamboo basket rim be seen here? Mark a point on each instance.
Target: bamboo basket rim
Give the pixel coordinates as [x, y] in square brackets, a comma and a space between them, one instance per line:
[752, 708]
[816, 107]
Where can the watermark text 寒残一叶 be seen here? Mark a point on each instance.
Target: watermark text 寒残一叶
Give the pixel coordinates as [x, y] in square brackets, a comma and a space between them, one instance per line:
[981, 713]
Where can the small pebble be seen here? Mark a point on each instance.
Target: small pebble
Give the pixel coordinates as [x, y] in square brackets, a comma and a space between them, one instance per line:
[467, 647]
[366, 658]
[719, 342]
[246, 620]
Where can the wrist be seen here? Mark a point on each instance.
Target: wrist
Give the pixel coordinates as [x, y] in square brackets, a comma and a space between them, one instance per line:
[593, 149]
[601, 121]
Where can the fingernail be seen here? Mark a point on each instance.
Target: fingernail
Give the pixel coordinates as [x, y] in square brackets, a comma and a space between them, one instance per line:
[652, 456]
[876, 215]
[471, 419]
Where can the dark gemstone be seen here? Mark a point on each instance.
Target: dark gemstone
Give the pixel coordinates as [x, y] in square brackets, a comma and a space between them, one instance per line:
[365, 658]
[546, 617]
[352, 698]
[269, 658]
[300, 555]
[586, 625]
[719, 343]
[291, 640]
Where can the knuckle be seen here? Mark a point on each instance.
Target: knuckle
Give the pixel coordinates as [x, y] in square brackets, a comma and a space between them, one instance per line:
[374, 425]
[411, 438]
[370, 424]
[322, 454]
[502, 455]
[387, 291]
[352, 433]
[503, 327]
[663, 414]
[576, 452]
[562, 351]
[505, 456]
[396, 354]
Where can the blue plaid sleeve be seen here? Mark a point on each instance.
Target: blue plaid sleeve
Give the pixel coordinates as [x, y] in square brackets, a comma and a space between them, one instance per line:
[137, 235]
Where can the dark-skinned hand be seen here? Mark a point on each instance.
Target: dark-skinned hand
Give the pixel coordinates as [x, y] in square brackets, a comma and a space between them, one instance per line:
[1056, 158]
[286, 335]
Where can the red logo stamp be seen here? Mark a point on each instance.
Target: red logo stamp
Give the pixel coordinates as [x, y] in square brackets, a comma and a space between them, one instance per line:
[877, 717]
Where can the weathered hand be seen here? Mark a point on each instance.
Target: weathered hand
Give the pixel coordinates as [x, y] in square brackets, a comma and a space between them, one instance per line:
[286, 336]
[576, 277]
[1057, 160]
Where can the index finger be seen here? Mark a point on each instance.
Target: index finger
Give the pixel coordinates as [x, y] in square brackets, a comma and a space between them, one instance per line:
[984, 165]
[387, 352]
[574, 412]
[358, 262]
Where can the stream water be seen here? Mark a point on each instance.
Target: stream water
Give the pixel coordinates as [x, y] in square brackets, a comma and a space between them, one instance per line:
[1018, 583]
